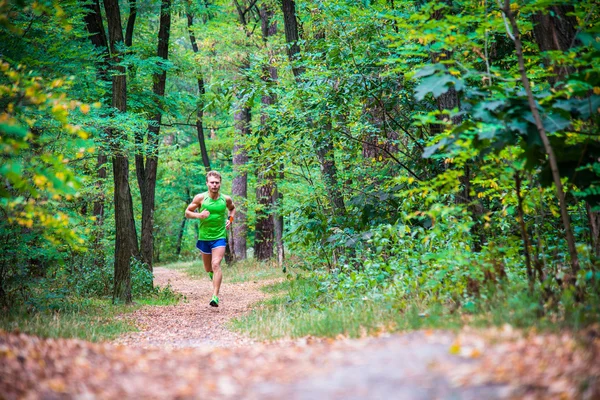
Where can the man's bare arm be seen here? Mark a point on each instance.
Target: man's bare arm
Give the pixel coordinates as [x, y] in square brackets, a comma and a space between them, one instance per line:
[190, 211]
[231, 208]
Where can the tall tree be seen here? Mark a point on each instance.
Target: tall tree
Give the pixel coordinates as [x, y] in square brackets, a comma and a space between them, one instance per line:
[323, 141]
[555, 28]
[95, 27]
[146, 168]
[264, 229]
[126, 244]
[242, 117]
[201, 93]
[239, 186]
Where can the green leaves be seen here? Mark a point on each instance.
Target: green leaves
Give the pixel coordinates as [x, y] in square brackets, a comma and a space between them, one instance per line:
[437, 85]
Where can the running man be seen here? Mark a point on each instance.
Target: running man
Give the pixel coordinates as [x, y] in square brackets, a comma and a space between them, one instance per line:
[211, 209]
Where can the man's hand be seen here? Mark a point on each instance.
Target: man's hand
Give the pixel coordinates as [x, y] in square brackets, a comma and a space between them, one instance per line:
[228, 223]
[204, 214]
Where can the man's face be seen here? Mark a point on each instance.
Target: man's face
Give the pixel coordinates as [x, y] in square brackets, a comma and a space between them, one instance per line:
[214, 184]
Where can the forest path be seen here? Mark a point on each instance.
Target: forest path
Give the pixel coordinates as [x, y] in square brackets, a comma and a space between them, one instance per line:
[193, 322]
[185, 352]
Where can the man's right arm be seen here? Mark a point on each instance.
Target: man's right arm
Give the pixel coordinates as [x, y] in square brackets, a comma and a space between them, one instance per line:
[190, 211]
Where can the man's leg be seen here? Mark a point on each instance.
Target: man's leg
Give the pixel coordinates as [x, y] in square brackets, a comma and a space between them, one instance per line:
[206, 259]
[217, 256]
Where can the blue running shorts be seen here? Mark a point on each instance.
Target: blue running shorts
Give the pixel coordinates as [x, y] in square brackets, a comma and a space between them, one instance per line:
[206, 246]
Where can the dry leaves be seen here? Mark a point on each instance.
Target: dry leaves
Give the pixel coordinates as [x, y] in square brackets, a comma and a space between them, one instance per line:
[185, 352]
[536, 366]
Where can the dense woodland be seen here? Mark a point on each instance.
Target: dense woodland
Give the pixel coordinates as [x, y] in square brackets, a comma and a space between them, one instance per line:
[397, 151]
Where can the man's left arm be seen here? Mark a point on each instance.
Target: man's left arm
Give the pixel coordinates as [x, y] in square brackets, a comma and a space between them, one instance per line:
[231, 208]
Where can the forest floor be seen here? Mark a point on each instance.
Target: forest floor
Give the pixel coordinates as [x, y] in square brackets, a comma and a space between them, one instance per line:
[186, 351]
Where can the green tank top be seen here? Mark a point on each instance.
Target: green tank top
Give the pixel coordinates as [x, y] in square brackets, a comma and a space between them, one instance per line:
[213, 227]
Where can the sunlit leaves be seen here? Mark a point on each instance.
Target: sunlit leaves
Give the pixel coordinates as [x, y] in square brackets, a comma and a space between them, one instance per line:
[35, 173]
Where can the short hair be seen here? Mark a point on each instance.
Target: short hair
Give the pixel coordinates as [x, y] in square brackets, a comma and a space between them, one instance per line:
[213, 173]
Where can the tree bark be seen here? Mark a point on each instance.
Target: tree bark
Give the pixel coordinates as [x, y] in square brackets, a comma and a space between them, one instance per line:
[264, 228]
[95, 26]
[547, 146]
[447, 102]
[180, 237]
[555, 30]
[126, 246]
[93, 21]
[323, 142]
[278, 220]
[291, 35]
[130, 23]
[239, 186]
[594, 225]
[201, 92]
[146, 169]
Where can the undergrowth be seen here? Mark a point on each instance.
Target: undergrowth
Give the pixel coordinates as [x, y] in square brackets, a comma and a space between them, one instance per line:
[80, 306]
[299, 307]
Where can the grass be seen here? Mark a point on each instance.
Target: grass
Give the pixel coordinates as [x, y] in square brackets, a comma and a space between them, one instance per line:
[88, 318]
[297, 309]
[294, 311]
[94, 321]
[243, 271]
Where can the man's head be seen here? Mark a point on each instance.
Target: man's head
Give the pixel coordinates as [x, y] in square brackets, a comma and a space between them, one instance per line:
[213, 181]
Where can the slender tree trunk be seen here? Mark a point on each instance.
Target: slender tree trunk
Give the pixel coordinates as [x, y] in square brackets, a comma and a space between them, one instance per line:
[446, 102]
[323, 142]
[264, 229]
[324, 150]
[93, 21]
[201, 92]
[130, 23]
[180, 237]
[278, 220]
[291, 35]
[146, 169]
[95, 26]
[547, 146]
[594, 225]
[239, 186]
[524, 234]
[126, 246]
[555, 30]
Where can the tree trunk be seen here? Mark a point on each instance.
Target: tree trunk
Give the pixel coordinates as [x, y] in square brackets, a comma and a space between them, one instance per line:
[323, 143]
[324, 149]
[566, 219]
[278, 220]
[239, 186]
[94, 25]
[264, 228]
[146, 169]
[594, 225]
[130, 23]
[555, 30]
[291, 34]
[93, 21]
[180, 237]
[126, 246]
[201, 92]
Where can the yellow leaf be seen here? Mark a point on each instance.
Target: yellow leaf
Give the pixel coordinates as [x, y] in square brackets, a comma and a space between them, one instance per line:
[596, 90]
[455, 348]
[85, 108]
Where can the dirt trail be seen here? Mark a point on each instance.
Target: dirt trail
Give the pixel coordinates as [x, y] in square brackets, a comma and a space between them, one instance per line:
[186, 352]
[193, 323]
